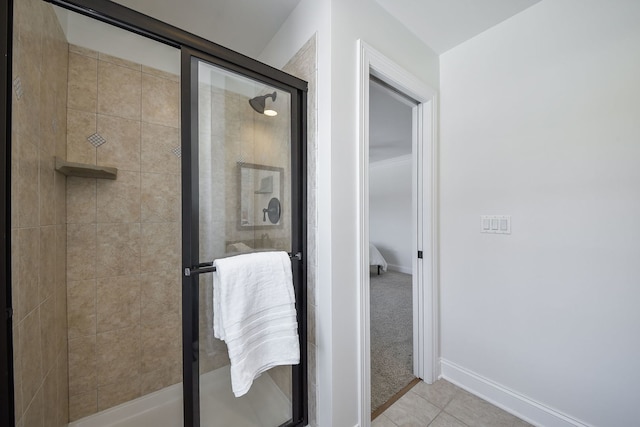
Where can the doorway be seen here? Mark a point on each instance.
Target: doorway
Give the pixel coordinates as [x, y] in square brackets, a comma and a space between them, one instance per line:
[392, 195]
[375, 66]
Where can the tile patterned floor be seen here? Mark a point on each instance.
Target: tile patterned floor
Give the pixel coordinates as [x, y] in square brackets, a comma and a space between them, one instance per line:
[442, 404]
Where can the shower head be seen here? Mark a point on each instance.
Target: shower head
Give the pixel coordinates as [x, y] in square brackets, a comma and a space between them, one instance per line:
[258, 104]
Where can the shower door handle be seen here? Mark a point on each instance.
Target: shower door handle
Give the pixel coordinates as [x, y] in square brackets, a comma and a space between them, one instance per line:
[205, 267]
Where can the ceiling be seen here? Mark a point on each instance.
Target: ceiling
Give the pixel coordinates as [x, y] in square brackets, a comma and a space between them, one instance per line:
[246, 26]
[444, 24]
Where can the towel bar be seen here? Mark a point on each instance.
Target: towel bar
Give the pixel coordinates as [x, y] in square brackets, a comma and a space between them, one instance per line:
[208, 267]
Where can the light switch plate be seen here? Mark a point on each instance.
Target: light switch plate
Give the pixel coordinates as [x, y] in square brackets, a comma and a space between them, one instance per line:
[495, 224]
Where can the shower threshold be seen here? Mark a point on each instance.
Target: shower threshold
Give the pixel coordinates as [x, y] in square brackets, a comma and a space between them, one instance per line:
[265, 405]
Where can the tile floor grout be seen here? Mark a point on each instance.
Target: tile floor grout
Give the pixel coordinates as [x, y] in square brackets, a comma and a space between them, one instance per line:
[479, 412]
[444, 409]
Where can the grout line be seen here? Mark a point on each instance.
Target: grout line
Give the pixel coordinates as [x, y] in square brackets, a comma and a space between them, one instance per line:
[95, 279]
[97, 109]
[434, 418]
[457, 419]
[444, 408]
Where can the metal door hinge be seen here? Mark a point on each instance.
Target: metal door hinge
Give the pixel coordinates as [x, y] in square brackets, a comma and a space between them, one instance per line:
[419, 254]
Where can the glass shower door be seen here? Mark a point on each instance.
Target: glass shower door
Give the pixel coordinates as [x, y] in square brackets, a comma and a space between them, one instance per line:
[238, 199]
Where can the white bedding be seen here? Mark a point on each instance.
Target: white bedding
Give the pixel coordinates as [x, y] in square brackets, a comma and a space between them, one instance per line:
[376, 258]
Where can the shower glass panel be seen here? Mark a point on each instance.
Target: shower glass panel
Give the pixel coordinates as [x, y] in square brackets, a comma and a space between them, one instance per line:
[244, 159]
[90, 95]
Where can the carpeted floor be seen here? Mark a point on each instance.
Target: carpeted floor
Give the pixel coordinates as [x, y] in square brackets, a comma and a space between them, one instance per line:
[391, 335]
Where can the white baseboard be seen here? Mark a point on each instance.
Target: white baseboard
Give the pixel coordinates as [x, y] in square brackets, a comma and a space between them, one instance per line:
[399, 268]
[511, 401]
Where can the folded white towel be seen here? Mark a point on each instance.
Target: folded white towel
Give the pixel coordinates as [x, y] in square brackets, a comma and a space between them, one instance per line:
[254, 313]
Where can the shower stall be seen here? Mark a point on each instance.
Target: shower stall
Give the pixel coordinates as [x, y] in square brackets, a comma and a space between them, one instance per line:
[140, 155]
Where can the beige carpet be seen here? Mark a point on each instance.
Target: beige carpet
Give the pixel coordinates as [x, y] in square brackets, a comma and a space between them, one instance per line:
[391, 335]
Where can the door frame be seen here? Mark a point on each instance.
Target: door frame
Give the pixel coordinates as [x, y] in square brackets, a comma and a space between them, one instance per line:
[7, 408]
[425, 218]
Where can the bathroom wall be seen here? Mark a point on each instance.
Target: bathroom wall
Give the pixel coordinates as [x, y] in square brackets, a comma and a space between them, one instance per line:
[123, 253]
[542, 112]
[38, 209]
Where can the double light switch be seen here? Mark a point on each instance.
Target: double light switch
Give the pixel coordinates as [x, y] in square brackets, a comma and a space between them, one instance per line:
[496, 224]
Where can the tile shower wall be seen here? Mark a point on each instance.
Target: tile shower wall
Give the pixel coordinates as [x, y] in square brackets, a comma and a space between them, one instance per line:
[212, 352]
[123, 235]
[38, 209]
[303, 65]
[258, 139]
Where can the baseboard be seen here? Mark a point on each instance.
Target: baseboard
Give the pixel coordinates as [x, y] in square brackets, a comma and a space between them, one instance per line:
[399, 268]
[511, 401]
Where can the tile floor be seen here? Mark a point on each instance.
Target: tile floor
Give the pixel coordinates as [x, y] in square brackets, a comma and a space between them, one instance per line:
[442, 404]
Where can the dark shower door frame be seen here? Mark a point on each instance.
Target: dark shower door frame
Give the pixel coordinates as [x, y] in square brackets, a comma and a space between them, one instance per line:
[6, 313]
[190, 59]
[193, 48]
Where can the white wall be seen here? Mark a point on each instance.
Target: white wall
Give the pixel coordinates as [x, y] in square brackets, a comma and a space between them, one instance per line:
[390, 226]
[338, 285]
[540, 119]
[350, 21]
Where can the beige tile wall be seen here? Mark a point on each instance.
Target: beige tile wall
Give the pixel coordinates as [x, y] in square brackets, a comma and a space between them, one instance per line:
[38, 216]
[123, 236]
[263, 140]
[213, 200]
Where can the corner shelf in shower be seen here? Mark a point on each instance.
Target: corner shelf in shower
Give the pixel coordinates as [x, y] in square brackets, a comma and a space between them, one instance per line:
[84, 170]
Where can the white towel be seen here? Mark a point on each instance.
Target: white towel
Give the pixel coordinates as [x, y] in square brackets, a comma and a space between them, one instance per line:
[254, 313]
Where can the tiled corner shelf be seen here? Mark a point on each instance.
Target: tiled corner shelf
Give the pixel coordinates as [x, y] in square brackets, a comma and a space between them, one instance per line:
[84, 170]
